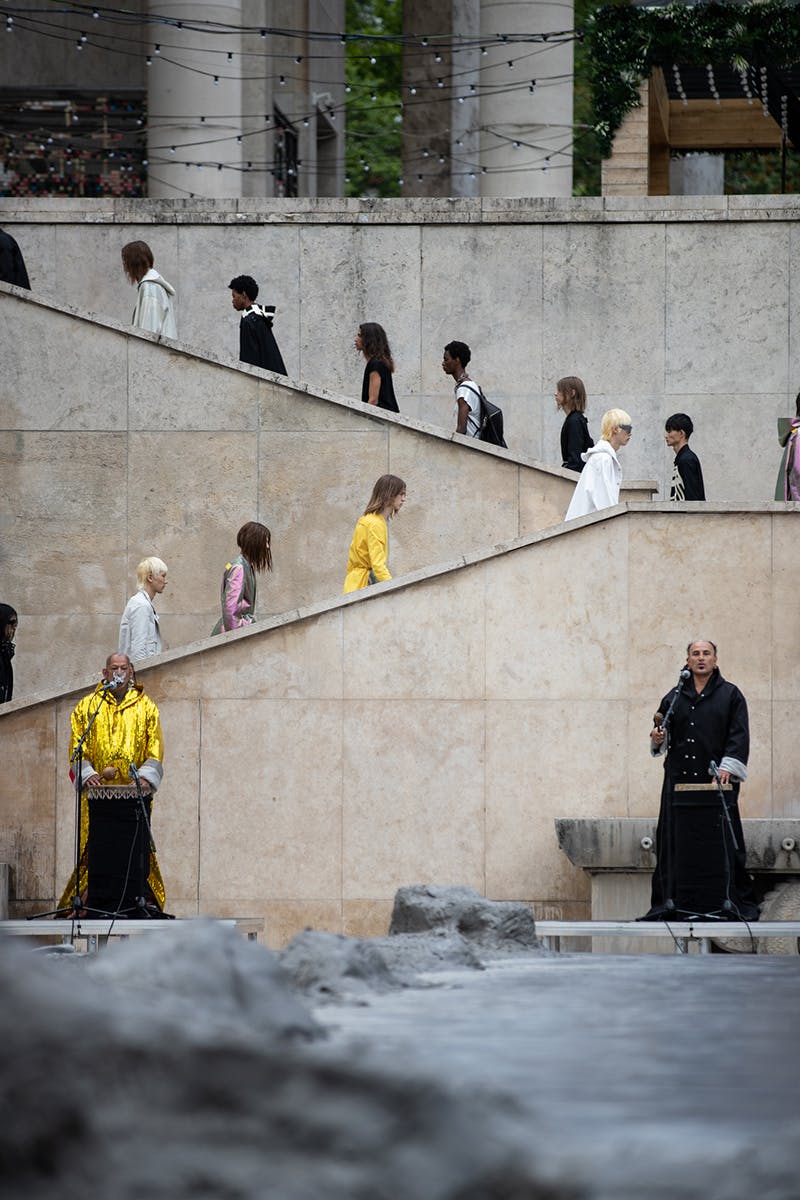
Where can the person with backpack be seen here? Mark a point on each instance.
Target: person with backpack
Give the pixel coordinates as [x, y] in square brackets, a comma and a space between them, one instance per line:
[468, 394]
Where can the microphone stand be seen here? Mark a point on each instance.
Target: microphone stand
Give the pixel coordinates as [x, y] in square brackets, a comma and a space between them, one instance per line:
[77, 907]
[669, 903]
[684, 675]
[141, 907]
[713, 769]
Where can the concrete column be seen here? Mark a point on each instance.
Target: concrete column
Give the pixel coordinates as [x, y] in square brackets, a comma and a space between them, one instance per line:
[465, 106]
[187, 109]
[538, 121]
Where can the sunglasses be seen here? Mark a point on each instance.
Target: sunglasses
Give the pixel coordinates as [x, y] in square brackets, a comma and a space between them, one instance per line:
[627, 428]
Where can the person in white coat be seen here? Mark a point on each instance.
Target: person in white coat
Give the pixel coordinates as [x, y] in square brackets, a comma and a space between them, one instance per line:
[155, 310]
[139, 632]
[598, 486]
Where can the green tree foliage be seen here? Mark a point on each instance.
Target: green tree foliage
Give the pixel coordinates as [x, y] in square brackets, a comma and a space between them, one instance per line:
[373, 68]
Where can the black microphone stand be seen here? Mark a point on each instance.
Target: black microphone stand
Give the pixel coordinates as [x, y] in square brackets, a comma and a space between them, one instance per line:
[713, 769]
[669, 903]
[76, 907]
[144, 845]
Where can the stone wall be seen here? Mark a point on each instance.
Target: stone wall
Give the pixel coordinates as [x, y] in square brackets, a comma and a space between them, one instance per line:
[661, 304]
[113, 447]
[432, 729]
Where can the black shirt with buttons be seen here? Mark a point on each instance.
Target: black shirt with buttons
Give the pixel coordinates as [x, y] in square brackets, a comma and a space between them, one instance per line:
[706, 725]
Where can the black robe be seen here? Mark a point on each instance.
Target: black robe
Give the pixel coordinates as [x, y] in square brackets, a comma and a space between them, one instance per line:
[12, 264]
[257, 343]
[689, 484]
[700, 858]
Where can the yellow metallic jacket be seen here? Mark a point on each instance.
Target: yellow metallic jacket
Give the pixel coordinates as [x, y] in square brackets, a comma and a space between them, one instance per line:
[368, 552]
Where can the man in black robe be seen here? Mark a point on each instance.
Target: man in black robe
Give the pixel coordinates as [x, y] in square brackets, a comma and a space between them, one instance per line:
[700, 867]
[257, 343]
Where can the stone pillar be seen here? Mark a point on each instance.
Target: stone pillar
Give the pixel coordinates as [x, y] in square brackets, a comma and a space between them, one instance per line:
[465, 105]
[538, 121]
[187, 109]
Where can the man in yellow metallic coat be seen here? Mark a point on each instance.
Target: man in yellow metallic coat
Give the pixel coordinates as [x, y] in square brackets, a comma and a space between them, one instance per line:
[127, 729]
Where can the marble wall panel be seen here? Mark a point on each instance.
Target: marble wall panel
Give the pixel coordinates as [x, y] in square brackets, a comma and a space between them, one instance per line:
[295, 661]
[701, 575]
[793, 368]
[55, 650]
[388, 271]
[27, 830]
[727, 307]
[38, 246]
[62, 513]
[188, 494]
[173, 391]
[330, 316]
[267, 252]
[467, 271]
[440, 520]
[176, 808]
[543, 500]
[66, 820]
[441, 622]
[105, 289]
[413, 807]
[645, 772]
[312, 489]
[603, 309]
[785, 616]
[735, 469]
[49, 383]
[785, 763]
[556, 618]
[757, 793]
[270, 823]
[285, 410]
[366, 918]
[537, 769]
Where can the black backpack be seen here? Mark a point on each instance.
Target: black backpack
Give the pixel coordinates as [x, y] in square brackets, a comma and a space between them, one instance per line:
[491, 423]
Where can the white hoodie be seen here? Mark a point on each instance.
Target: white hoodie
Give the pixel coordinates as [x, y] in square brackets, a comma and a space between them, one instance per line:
[598, 486]
[154, 309]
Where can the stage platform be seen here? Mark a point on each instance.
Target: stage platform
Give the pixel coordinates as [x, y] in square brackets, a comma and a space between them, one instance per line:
[683, 933]
[97, 932]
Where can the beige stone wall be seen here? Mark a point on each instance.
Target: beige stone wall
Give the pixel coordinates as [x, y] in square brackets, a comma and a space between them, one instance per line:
[113, 447]
[661, 304]
[433, 729]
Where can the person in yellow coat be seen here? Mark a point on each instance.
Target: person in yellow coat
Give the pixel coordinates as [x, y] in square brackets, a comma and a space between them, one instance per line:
[123, 728]
[369, 549]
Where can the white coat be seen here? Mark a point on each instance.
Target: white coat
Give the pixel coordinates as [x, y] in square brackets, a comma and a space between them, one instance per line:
[598, 485]
[139, 634]
[154, 308]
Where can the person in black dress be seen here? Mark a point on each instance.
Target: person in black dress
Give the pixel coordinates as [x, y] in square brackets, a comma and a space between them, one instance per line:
[257, 344]
[8, 629]
[377, 388]
[575, 439]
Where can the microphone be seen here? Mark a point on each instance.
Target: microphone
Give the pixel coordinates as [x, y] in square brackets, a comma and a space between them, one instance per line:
[108, 685]
[658, 719]
[685, 673]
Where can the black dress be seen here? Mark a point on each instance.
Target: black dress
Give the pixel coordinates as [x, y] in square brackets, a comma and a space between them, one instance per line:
[575, 440]
[257, 344]
[700, 867]
[6, 671]
[386, 398]
[12, 264]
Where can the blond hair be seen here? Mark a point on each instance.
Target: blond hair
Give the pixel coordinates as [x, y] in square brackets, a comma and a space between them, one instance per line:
[149, 566]
[612, 420]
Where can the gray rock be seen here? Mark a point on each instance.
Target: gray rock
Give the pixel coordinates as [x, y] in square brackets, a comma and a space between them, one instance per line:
[504, 926]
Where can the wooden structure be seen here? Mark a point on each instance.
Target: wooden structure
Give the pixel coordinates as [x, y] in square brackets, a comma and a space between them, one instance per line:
[694, 109]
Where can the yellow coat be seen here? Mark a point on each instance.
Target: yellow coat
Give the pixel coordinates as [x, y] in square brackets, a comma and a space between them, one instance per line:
[122, 733]
[368, 552]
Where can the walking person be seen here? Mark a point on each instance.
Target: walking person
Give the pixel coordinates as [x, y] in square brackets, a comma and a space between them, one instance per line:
[377, 387]
[687, 474]
[789, 437]
[8, 629]
[467, 412]
[139, 630]
[575, 437]
[369, 549]
[238, 591]
[599, 484]
[257, 344]
[155, 310]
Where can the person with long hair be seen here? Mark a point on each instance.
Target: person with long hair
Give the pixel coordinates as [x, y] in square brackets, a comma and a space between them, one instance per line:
[238, 592]
[575, 439]
[377, 387]
[369, 549]
[8, 629]
[155, 310]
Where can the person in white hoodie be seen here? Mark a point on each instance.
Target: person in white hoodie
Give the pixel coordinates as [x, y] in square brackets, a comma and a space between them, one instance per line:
[154, 310]
[139, 632]
[598, 486]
